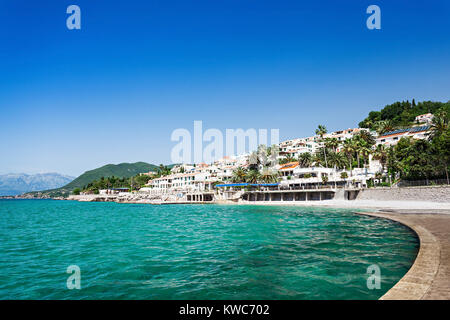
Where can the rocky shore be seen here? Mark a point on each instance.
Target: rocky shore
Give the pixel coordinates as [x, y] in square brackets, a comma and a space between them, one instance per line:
[125, 198]
[29, 196]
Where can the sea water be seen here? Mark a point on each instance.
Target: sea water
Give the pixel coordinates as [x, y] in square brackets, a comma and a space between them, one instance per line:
[140, 251]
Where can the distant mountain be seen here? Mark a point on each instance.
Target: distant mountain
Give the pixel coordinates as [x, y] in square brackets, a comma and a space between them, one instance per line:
[17, 183]
[122, 170]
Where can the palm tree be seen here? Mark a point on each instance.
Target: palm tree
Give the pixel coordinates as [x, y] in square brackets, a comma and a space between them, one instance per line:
[133, 184]
[253, 176]
[381, 155]
[365, 153]
[337, 160]
[332, 143]
[392, 163]
[305, 160]
[384, 126]
[253, 161]
[239, 175]
[439, 124]
[287, 159]
[164, 170]
[320, 131]
[269, 176]
[317, 159]
[359, 146]
[367, 137]
[349, 148]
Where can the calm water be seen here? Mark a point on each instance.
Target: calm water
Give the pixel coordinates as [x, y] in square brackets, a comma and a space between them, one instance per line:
[130, 251]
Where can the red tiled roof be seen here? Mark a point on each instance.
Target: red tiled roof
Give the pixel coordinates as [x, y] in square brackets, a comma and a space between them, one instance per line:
[289, 165]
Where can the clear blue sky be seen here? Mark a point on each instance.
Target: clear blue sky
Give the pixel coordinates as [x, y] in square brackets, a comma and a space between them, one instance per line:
[137, 70]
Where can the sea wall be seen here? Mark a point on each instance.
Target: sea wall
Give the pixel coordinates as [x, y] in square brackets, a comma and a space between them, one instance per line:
[433, 194]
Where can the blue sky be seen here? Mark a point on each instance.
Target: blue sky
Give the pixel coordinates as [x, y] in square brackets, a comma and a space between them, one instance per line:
[73, 100]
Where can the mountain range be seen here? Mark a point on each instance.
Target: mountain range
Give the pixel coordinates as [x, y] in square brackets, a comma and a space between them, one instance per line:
[17, 183]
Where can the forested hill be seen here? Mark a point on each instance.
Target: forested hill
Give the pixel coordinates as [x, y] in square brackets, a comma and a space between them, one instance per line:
[122, 170]
[402, 114]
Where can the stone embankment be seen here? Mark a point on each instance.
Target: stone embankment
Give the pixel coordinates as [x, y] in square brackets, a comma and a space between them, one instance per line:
[429, 276]
[429, 194]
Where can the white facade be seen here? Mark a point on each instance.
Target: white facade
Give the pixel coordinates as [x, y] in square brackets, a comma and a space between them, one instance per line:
[424, 118]
[392, 138]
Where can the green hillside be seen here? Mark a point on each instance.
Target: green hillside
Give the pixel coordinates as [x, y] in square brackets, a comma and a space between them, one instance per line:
[401, 114]
[122, 170]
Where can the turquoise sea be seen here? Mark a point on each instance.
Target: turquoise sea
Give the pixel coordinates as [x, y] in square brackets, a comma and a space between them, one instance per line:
[133, 251]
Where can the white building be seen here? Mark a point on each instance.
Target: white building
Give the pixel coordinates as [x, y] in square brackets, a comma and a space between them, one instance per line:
[295, 147]
[424, 118]
[294, 175]
[342, 135]
[392, 138]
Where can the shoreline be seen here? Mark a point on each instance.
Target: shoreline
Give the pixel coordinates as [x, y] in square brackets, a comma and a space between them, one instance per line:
[386, 206]
[411, 201]
[444, 207]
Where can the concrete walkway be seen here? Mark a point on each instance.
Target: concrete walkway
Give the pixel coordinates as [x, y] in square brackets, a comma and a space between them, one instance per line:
[429, 277]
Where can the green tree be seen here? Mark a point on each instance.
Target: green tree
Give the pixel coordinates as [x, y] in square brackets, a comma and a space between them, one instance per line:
[441, 148]
[268, 175]
[337, 160]
[332, 143]
[305, 159]
[349, 148]
[286, 159]
[439, 124]
[414, 160]
[367, 137]
[365, 152]
[253, 176]
[321, 131]
[381, 155]
[401, 114]
[239, 175]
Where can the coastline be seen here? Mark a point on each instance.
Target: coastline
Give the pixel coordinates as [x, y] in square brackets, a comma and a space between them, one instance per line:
[443, 207]
[411, 198]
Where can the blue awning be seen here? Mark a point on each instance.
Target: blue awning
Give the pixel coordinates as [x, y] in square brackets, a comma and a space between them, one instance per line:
[248, 184]
[232, 185]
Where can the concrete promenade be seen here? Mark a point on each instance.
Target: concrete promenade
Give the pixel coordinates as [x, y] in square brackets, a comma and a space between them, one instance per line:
[429, 277]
